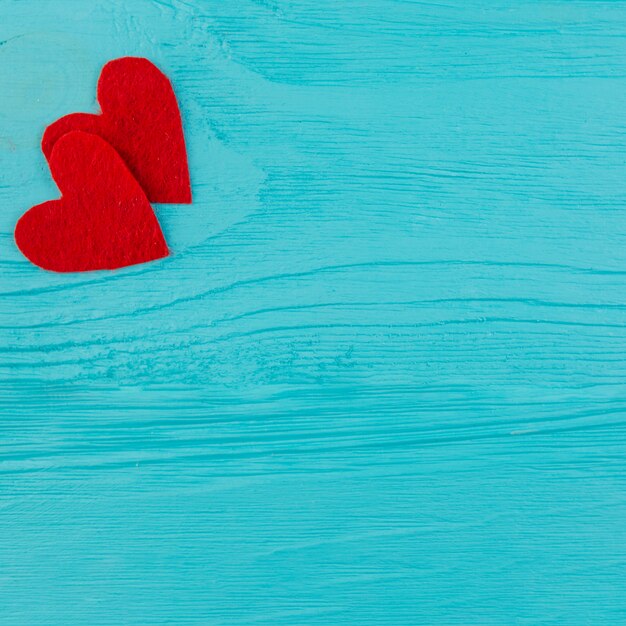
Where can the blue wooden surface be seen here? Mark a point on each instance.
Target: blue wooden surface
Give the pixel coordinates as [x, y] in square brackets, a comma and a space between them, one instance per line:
[381, 380]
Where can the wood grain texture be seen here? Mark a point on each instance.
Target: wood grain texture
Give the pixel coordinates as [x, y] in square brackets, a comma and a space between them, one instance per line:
[381, 380]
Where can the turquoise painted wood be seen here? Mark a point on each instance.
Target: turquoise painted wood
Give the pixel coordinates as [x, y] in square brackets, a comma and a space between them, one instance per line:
[382, 378]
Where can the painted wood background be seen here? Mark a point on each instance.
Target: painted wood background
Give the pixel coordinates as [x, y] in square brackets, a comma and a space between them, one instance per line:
[381, 380]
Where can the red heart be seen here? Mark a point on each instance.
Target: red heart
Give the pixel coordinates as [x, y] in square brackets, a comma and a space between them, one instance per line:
[103, 219]
[141, 120]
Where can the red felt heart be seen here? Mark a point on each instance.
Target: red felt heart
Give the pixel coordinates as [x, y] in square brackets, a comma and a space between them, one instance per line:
[103, 219]
[141, 120]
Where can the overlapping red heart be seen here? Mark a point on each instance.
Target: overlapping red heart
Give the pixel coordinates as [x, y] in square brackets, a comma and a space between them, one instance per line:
[109, 167]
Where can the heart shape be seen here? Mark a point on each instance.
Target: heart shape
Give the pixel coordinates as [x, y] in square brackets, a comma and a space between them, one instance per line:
[141, 120]
[103, 219]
